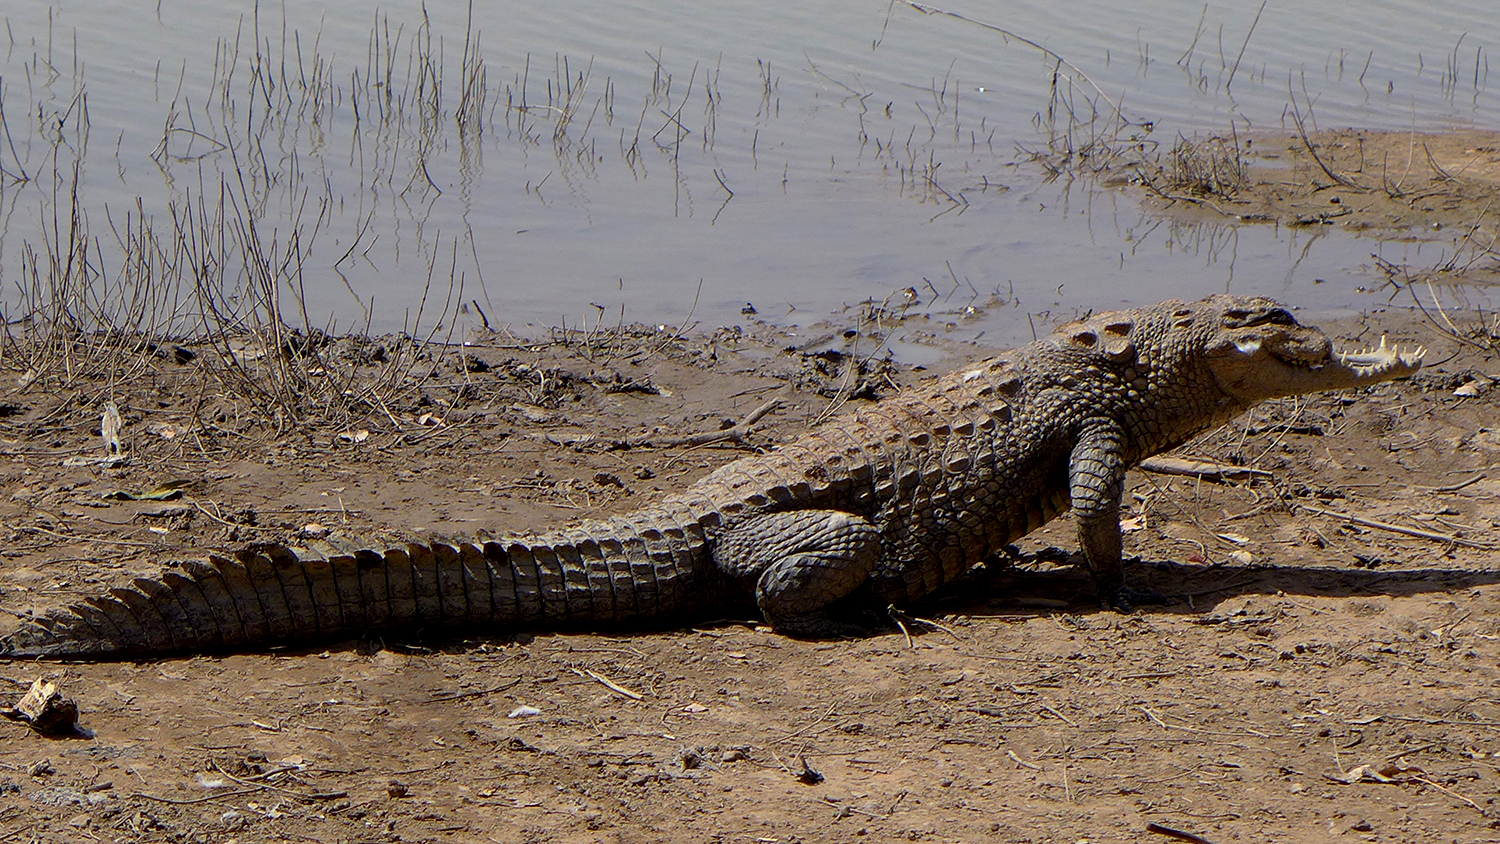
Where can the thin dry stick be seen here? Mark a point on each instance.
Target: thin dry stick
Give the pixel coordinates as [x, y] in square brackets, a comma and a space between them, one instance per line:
[1436, 303]
[1154, 718]
[1164, 465]
[1022, 762]
[1058, 715]
[221, 795]
[445, 697]
[792, 735]
[1246, 43]
[1450, 793]
[738, 432]
[608, 683]
[899, 616]
[224, 521]
[1006, 33]
[1449, 329]
[1458, 486]
[1307, 143]
[910, 645]
[680, 328]
[1402, 529]
[1176, 833]
[300, 795]
[134, 543]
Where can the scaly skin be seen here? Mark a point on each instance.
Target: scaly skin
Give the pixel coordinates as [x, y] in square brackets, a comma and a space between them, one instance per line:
[882, 505]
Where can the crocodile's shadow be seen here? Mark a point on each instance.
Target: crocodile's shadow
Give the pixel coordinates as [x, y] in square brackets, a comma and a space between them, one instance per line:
[1189, 589]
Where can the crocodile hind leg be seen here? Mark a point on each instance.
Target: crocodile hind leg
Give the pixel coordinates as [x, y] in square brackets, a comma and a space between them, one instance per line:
[800, 561]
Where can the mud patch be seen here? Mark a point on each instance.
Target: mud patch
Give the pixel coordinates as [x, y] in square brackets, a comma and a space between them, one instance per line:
[1442, 188]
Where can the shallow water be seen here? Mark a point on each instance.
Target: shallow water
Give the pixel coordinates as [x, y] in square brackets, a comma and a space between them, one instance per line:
[672, 162]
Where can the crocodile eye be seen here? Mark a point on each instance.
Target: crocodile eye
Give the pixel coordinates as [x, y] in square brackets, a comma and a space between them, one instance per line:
[1238, 318]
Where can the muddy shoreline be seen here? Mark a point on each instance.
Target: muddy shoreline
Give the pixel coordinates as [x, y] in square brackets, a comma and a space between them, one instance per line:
[1438, 188]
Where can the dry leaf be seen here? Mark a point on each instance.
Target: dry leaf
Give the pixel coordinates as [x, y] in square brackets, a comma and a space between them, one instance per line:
[166, 491]
[1369, 773]
[429, 419]
[1363, 773]
[1242, 557]
[162, 429]
[1132, 524]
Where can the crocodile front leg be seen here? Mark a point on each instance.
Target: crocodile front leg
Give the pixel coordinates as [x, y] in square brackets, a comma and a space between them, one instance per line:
[800, 561]
[1096, 480]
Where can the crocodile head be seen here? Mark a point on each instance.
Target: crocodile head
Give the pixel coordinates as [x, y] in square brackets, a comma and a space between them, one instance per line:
[1257, 351]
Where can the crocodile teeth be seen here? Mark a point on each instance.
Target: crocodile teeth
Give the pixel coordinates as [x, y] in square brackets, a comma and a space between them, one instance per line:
[1383, 357]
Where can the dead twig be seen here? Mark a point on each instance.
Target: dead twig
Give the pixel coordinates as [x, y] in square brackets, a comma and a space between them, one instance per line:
[1458, 486]
[850, 809]
[910, 645]
[1176, 833]
[1311, 150]
[1022, 762]
[792, 735]
[135, 543]
[739, 433]
[1058, 715]
[309, 797]
[444, 697]
[1451, 793]
[239, 792]
[1164, 465]
[899, 616]
[1009, 34]
[1402, 529]
[608, 683]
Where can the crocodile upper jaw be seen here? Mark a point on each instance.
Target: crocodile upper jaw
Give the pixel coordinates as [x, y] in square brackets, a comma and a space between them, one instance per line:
[1253, 366]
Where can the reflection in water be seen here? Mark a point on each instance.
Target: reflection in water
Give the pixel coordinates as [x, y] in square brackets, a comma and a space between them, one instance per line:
[419, 170]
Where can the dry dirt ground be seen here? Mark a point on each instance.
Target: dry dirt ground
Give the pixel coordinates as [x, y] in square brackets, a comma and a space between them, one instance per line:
[1328, 668]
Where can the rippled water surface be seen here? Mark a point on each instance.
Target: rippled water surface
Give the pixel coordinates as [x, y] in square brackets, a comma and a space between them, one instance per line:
[547, 163]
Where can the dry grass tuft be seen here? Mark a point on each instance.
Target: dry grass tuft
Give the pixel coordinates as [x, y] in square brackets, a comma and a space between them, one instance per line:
[1198, 169]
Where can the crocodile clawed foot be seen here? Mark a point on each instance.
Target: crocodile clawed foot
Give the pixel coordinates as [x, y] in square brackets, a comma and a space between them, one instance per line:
[820, 626]
[1127, 598]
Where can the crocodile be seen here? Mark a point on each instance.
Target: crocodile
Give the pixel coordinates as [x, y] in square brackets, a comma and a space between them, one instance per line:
[877, 507]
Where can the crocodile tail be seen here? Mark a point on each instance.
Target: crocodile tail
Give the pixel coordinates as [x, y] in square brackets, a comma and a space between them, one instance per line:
[280, 595]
